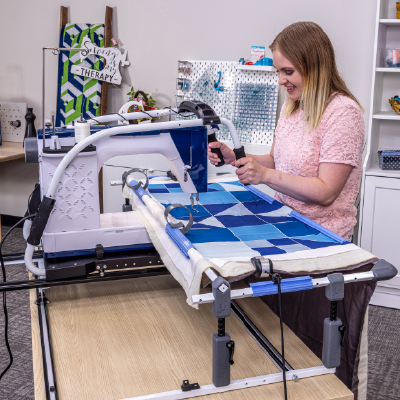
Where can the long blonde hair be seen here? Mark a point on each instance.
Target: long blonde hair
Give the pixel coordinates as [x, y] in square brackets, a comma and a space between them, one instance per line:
[309, 49]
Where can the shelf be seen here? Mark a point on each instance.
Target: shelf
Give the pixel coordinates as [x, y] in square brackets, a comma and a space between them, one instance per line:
[256, 68]
[386, 115]
[376, 171]
[388, 70]
[390, 21]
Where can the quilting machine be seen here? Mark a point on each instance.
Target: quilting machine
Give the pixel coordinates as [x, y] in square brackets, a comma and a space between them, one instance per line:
[81, 245]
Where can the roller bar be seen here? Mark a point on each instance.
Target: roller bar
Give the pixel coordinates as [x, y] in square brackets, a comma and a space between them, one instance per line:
[318, 282]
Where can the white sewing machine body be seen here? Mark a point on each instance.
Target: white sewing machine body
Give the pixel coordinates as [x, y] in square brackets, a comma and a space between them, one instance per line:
[75, 225]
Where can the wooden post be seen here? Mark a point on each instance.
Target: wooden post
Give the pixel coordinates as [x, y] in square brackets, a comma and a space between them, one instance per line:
[63, 21]
[104, 91]
[63, 16]
[107, 42]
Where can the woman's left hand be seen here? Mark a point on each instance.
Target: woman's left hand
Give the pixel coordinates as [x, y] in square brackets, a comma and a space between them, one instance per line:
[250, 171]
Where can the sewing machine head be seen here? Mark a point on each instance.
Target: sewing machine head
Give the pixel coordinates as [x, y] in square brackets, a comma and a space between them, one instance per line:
[75, 221]
[69, 175]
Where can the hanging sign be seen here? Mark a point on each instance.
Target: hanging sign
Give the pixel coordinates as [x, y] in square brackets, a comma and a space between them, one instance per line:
[112, 57]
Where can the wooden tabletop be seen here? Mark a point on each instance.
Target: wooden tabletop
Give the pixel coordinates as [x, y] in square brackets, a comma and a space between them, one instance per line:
[120, 339]
[11, 151]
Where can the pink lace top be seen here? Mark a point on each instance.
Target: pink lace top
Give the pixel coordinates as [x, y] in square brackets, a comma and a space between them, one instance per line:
[338, 139]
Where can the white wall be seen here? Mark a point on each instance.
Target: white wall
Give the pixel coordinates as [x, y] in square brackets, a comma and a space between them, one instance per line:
[158, 33]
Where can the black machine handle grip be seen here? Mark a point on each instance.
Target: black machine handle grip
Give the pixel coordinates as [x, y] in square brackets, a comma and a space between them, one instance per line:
[239, 153]
[40, 221]
[213, 138]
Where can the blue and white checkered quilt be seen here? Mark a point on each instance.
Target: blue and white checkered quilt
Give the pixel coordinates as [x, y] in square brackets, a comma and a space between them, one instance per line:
[232, 220]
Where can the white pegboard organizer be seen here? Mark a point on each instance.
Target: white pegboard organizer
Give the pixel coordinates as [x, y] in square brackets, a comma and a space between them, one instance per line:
[12, 112]
[230, 76]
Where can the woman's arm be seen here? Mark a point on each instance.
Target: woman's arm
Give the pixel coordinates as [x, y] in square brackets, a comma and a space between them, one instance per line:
[322, 190]
[266, 160]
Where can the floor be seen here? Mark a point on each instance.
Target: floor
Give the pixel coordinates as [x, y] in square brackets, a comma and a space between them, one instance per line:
[17, 384]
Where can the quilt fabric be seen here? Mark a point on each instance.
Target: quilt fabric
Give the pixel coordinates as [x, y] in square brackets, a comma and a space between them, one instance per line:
[231, 221]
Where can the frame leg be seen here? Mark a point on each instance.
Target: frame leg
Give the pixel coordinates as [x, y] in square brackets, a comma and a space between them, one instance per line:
[45, 341]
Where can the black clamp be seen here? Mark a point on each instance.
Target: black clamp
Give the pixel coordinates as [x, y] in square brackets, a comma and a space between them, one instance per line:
[276, 278]
[179, 224]
[99, 251]
[187, 387]
[127, 173]
[258, 265]
[172, 176]
[42, 299]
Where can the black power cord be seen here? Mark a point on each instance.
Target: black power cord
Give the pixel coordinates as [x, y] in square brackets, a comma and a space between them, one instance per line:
[277, 280]
[4, 295]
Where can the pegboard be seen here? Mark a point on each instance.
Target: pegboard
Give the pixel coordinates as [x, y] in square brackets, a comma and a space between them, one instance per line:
[12, 112]
[224, 102]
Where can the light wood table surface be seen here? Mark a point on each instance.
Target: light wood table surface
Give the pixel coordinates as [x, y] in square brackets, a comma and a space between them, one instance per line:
[120, 339]
[10, 151]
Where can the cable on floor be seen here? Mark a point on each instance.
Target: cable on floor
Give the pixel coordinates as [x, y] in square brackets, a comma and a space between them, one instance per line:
[4, 295]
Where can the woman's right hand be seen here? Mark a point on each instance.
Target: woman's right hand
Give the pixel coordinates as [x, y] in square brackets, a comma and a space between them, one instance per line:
[227, 153]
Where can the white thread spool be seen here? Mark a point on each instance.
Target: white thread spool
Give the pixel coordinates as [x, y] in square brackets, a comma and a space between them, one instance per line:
[82, 130]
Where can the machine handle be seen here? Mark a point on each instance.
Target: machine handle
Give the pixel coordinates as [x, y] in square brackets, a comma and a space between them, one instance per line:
[231, 347]
[213, 138]
[342, 330]
[239, 153]
[40, 221]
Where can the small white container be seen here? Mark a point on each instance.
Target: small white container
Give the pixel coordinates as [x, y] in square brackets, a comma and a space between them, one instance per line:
[185, 67]
[179, 83]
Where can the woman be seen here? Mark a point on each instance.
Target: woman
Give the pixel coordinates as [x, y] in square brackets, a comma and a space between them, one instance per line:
[315, 161]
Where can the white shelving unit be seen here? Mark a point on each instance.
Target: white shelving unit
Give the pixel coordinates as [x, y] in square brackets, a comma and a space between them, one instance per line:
[386, 115]
[380, 191]
[388, 70]
[256, 68]
[390, 21]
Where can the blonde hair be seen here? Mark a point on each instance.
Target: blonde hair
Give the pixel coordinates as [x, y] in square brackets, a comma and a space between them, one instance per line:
[309, 49]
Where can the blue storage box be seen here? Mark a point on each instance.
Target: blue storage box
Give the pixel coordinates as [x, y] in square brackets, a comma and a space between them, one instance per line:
[389, 159]
[265, 62]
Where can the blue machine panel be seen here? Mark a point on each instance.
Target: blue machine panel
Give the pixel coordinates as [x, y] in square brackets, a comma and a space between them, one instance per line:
[194, 138]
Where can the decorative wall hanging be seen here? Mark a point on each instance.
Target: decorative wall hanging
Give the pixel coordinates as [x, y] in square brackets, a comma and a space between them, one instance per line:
[113, 56]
